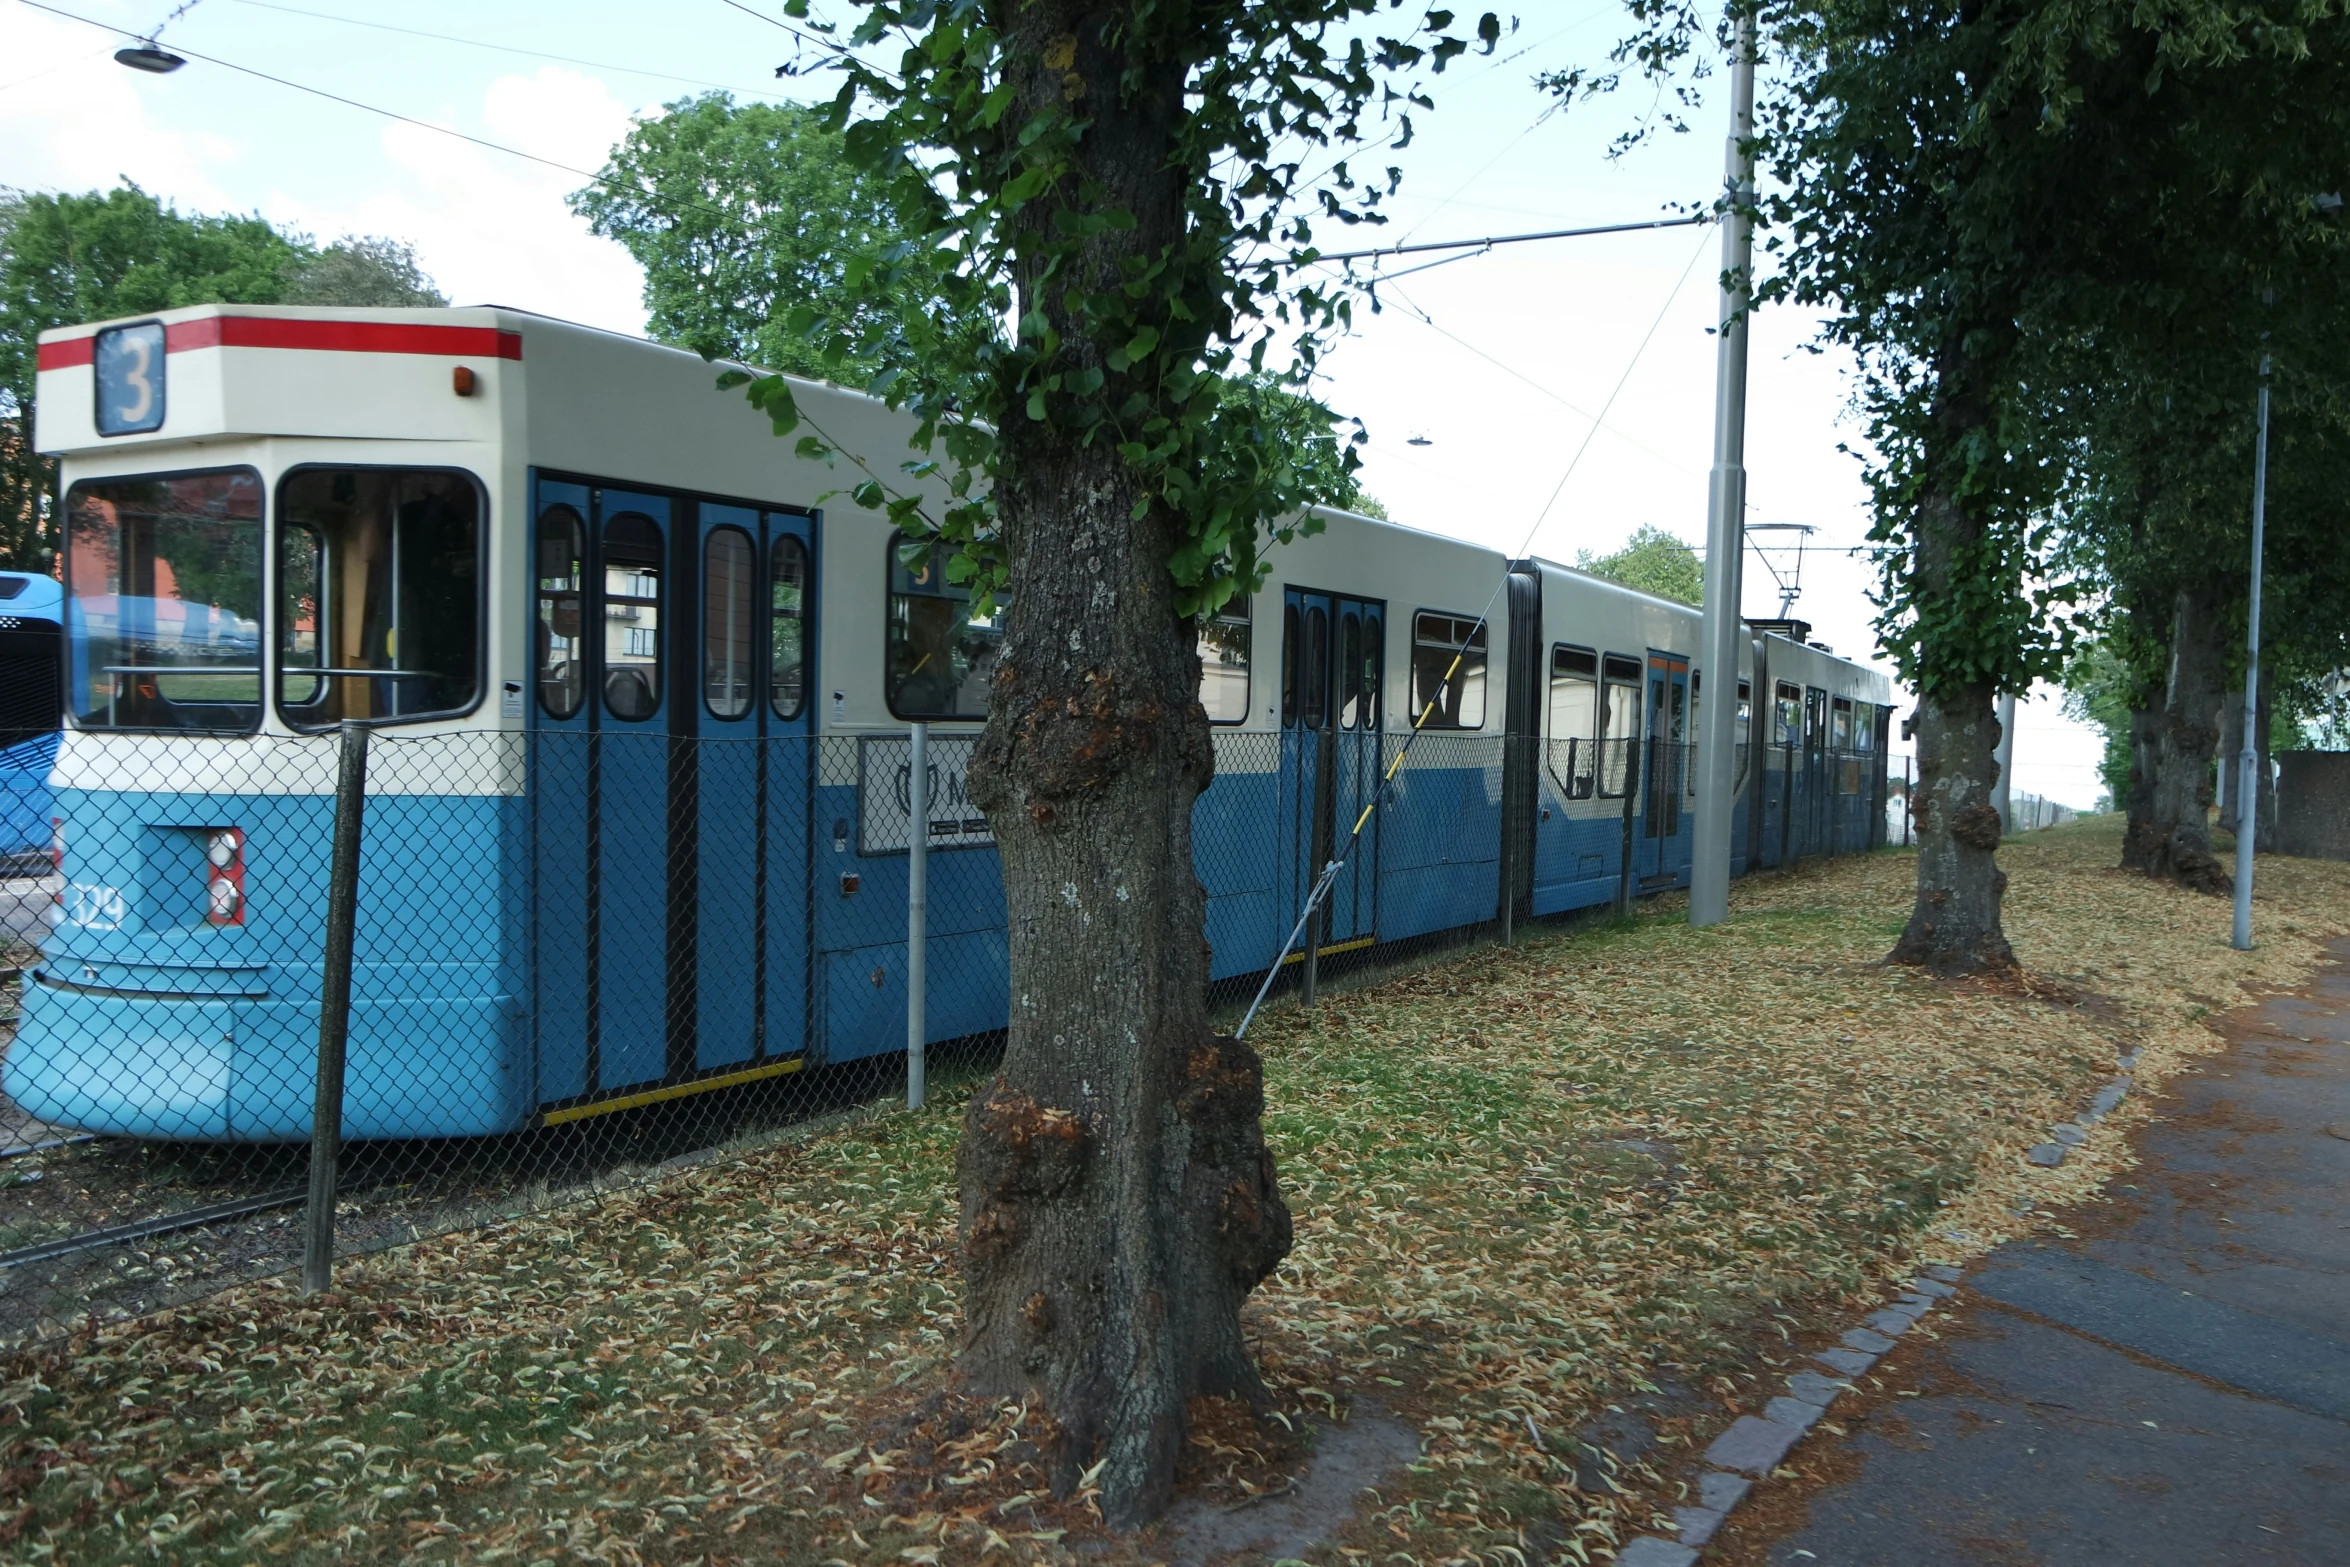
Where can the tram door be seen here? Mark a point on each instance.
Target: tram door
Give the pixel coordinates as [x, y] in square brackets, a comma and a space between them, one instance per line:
[744, 781]
[1667, 761]
[1333, 668]
[601, 760]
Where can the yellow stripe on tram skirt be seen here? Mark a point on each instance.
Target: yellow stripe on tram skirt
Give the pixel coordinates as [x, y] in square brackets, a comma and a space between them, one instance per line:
[673, 1091]
[1355, 945]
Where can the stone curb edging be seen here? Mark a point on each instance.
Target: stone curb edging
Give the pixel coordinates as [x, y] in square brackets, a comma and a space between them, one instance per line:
[2065, 1138]
[1755, 1444]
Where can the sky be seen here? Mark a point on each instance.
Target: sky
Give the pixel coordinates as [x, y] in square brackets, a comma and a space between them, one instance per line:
[1479, 380]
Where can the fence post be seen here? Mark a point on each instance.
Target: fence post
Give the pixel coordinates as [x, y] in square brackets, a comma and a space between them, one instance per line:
[1631, 794]
[917, 913]
[1509, 845]
[334, 1011]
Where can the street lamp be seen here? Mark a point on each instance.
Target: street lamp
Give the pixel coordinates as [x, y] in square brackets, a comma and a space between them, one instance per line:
[149, 58]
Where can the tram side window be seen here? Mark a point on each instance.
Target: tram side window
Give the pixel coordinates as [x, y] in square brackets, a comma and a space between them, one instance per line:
[1223, 663]
[1574, 720]
[379, 594]
[1289, 666]
[1350, 664]
[632, 616]
[1449, 698]
[727, 602]
[941, 654]
[1619, 720]
[163, 601]
[1789, 715]
[562, 661]
[787, 622]
[1316, 670]
[1745, 712]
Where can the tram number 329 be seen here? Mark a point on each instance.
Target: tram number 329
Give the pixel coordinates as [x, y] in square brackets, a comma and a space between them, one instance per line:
[93, 907]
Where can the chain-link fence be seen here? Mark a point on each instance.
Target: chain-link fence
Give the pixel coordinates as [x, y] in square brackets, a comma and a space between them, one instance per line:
[576, 958]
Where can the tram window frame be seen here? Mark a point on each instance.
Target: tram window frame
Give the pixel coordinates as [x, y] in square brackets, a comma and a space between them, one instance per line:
[893, 635]
[1787, 713]
[1373, 669]
[540, 600]
[746, 601]
[1465, 637]
[278, 670]
[1624, 673]
[1347, 665]
[1745, 718]
[1290, 630]
[69, 608]
[1224, 623]
[657, 687]
[1582, 776]
[778, 545]
[1314, 648]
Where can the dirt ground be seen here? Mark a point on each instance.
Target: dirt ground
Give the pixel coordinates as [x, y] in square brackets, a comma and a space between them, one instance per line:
[1561, 1210]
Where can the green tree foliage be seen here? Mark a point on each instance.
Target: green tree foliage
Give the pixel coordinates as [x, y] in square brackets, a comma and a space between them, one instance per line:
[1653, 561]
[1134, 190]
[741, 213]
[93, 257]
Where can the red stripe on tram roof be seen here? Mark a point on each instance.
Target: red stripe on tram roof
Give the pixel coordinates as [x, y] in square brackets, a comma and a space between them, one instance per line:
[65, 353]
[343, 337]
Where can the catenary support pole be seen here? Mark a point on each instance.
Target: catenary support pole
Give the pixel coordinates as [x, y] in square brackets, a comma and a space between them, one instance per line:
[2248, 763]
[917, 914]
[334, 1012]
[1725, 529]
[2002, 797]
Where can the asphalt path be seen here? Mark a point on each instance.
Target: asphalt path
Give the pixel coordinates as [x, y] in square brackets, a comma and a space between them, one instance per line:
[2171, 1387]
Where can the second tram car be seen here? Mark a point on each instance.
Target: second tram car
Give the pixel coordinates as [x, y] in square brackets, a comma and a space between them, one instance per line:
[636, 825]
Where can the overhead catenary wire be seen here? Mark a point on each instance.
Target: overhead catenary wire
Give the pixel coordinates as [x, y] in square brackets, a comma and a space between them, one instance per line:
[594, 178]
[495, 48]
[1337, 862]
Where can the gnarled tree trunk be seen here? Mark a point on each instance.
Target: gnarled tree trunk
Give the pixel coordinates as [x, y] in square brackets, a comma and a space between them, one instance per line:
[2173, 836]
[1954, 926]
[1118, 1200]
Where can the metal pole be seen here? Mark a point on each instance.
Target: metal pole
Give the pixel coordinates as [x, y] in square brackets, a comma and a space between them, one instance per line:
[1725, 527]
[2004, 755]
[1631, 786]
[1509, 847]
[334, 1012]
[917, 912]
[1909, 797]
[2247, 767]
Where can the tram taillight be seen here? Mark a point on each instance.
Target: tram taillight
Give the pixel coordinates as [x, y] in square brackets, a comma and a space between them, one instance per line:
[224, 876]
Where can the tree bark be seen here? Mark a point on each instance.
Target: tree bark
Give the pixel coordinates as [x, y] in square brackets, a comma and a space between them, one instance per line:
[1954, 926]
[1118, 1200]
[2173, 837]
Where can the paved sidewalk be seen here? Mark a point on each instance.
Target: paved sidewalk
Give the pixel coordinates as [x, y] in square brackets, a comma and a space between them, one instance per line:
[2173, 1387]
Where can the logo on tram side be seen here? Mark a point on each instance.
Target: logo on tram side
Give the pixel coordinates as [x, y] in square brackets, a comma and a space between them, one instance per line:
[884, 778]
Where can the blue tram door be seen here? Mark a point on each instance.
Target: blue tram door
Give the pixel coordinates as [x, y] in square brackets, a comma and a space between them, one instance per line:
[749, 789]
[1666, 767]
[599, 788]
[1333, 653]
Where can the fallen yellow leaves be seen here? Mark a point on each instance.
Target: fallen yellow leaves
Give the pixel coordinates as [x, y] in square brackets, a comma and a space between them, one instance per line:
[1559, 1208]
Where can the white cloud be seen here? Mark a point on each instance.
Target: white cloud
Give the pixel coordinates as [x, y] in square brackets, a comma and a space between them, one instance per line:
[493, 228]
[74, 120]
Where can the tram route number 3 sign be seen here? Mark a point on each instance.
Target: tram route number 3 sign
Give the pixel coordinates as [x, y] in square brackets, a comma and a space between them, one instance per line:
[884, 779]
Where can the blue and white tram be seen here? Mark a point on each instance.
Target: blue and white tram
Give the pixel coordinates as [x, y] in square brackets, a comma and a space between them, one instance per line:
[31, 610]
[636, 827]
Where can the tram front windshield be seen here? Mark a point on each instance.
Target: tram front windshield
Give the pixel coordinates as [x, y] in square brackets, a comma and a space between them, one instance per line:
[163, 605]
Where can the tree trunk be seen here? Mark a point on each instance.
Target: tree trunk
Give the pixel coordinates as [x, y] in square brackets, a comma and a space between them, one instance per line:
[2173, 838]
[2231, 765]
[1954, 926]
[1118, 1200]
[2145, 724]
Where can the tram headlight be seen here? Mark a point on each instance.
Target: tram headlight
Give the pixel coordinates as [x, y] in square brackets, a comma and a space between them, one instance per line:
[224, 876]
